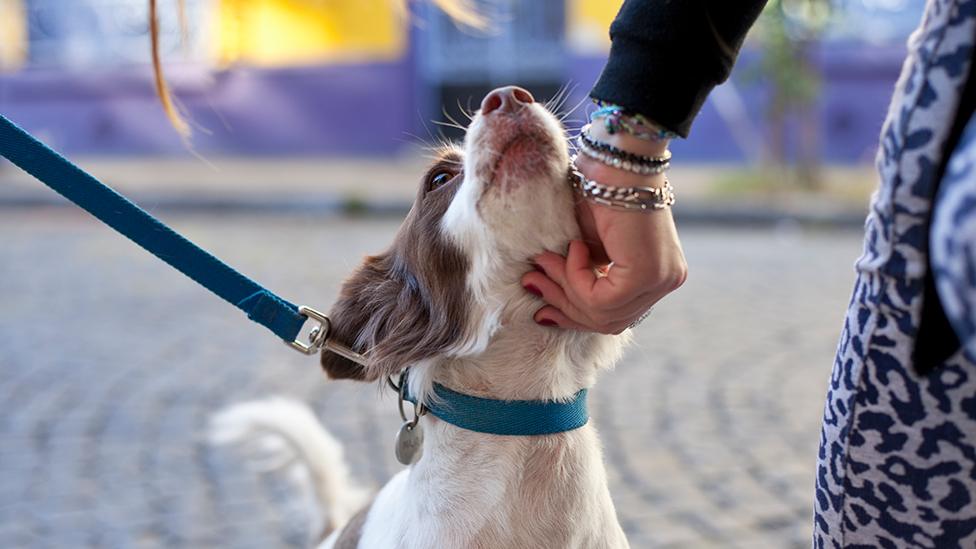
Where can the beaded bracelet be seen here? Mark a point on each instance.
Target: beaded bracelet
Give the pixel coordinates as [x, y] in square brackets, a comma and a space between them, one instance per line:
[621, 198]
[616, 118]
[619, 158]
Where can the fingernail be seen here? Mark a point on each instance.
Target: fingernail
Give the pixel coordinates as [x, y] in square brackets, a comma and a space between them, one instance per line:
[549, 323]
[533, 290]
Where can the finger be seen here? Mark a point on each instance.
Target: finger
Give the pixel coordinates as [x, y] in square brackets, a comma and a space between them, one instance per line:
[591, 234]
[535, 282]
[568, 314]
[609, 295]
[574, 303]
[552, 294]
[554, 318]
[579, 271]
[564, 313]
[587, 288]
[553, 265]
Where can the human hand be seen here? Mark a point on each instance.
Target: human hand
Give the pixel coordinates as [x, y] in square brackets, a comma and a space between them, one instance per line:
[626, 262]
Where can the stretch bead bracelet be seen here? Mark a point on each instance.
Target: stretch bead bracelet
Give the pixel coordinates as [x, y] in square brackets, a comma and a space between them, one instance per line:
[616, 119]
[621, 198]
[618, 158]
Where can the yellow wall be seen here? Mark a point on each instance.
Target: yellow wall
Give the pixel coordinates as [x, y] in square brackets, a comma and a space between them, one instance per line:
[13, 34]
[588, 24]
[295, 32]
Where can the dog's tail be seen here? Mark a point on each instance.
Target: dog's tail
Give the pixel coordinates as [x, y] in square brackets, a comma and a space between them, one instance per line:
[286, 433]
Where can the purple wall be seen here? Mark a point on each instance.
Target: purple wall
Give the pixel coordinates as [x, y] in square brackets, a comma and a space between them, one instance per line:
[337, 109]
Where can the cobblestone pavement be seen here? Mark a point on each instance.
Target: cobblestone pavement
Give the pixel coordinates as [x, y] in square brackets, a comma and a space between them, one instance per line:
[110, 364]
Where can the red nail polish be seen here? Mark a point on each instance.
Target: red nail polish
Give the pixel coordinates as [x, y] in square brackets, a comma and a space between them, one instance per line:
[547, 322]
[533, 290]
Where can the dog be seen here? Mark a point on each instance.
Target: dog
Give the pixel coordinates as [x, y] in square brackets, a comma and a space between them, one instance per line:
[445, 301]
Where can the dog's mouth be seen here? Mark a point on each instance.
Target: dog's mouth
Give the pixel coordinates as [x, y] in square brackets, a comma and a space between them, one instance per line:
[522, 151]
[515, 158]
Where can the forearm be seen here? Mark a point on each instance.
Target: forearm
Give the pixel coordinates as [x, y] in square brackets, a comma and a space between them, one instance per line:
[667, 55]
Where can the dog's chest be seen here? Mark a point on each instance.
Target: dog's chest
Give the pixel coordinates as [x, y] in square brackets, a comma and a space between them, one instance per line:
[481, 491]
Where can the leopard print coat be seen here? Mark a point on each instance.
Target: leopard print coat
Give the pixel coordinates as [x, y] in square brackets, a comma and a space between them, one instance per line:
[897, 460]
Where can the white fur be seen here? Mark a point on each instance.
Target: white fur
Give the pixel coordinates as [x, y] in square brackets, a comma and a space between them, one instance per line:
[500, 232]
[287, 433]
[467, 494]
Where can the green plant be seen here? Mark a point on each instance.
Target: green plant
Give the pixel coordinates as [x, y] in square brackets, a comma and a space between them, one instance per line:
[788, 33]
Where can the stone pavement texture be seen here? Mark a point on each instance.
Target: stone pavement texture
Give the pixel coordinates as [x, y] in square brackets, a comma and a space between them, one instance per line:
[111, 363]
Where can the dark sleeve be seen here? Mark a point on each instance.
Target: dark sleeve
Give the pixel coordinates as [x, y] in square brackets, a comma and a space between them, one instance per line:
[667, 55]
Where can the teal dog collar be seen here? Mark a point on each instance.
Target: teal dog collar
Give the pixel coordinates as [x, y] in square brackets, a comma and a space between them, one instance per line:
[505, 417]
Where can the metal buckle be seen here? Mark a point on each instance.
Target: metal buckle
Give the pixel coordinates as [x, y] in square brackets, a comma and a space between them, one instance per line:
[318, 338]
[419, 410]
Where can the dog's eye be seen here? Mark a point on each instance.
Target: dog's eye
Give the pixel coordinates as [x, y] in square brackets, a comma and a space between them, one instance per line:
[438, 179]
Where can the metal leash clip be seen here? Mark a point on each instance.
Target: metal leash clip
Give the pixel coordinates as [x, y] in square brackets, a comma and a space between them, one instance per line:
[318, 338]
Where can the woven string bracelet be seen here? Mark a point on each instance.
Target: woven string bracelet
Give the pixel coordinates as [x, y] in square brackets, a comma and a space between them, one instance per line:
[616, 119]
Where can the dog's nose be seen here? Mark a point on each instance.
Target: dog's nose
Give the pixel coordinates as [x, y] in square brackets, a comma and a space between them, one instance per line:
[507, 99]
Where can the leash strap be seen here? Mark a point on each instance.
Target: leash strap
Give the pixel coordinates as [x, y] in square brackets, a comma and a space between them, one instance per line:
[506, 417]
[262, 306]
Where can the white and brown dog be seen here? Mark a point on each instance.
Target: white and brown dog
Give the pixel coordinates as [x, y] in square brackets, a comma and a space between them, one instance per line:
[445, 301]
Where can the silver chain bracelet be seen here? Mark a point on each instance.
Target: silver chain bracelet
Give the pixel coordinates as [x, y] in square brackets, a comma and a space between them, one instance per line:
[621, 198]
[641, 318]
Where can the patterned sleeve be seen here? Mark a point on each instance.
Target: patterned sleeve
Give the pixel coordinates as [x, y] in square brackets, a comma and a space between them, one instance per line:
[952, 240]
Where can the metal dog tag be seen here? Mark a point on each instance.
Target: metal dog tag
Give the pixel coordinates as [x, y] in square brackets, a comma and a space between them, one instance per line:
[409, 440]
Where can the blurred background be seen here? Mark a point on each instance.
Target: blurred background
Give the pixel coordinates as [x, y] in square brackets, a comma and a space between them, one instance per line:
[310, 120]
[332, 80]
[329, 77]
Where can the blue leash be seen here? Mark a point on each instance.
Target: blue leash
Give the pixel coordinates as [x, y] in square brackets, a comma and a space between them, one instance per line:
[519, 417]
[282, 317]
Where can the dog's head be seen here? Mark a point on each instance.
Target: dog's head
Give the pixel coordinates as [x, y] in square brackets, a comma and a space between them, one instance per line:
[450, 279]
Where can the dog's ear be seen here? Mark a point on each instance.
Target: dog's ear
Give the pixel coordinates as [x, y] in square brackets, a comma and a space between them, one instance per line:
[385, 312]
[350, 316]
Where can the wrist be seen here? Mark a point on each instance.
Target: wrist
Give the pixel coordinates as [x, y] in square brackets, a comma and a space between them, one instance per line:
[628, 142]
[617, 177]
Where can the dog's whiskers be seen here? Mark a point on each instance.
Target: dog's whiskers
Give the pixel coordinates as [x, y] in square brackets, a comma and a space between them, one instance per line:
[468, 113]
[554, 102]
[563, 116]
[437, 153]
[432, 142]
[558, 101]
[449, 125]
[434, 146]
[455, 123]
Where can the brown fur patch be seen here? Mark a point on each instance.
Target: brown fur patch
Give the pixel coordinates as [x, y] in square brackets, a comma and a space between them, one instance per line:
[409, 302]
